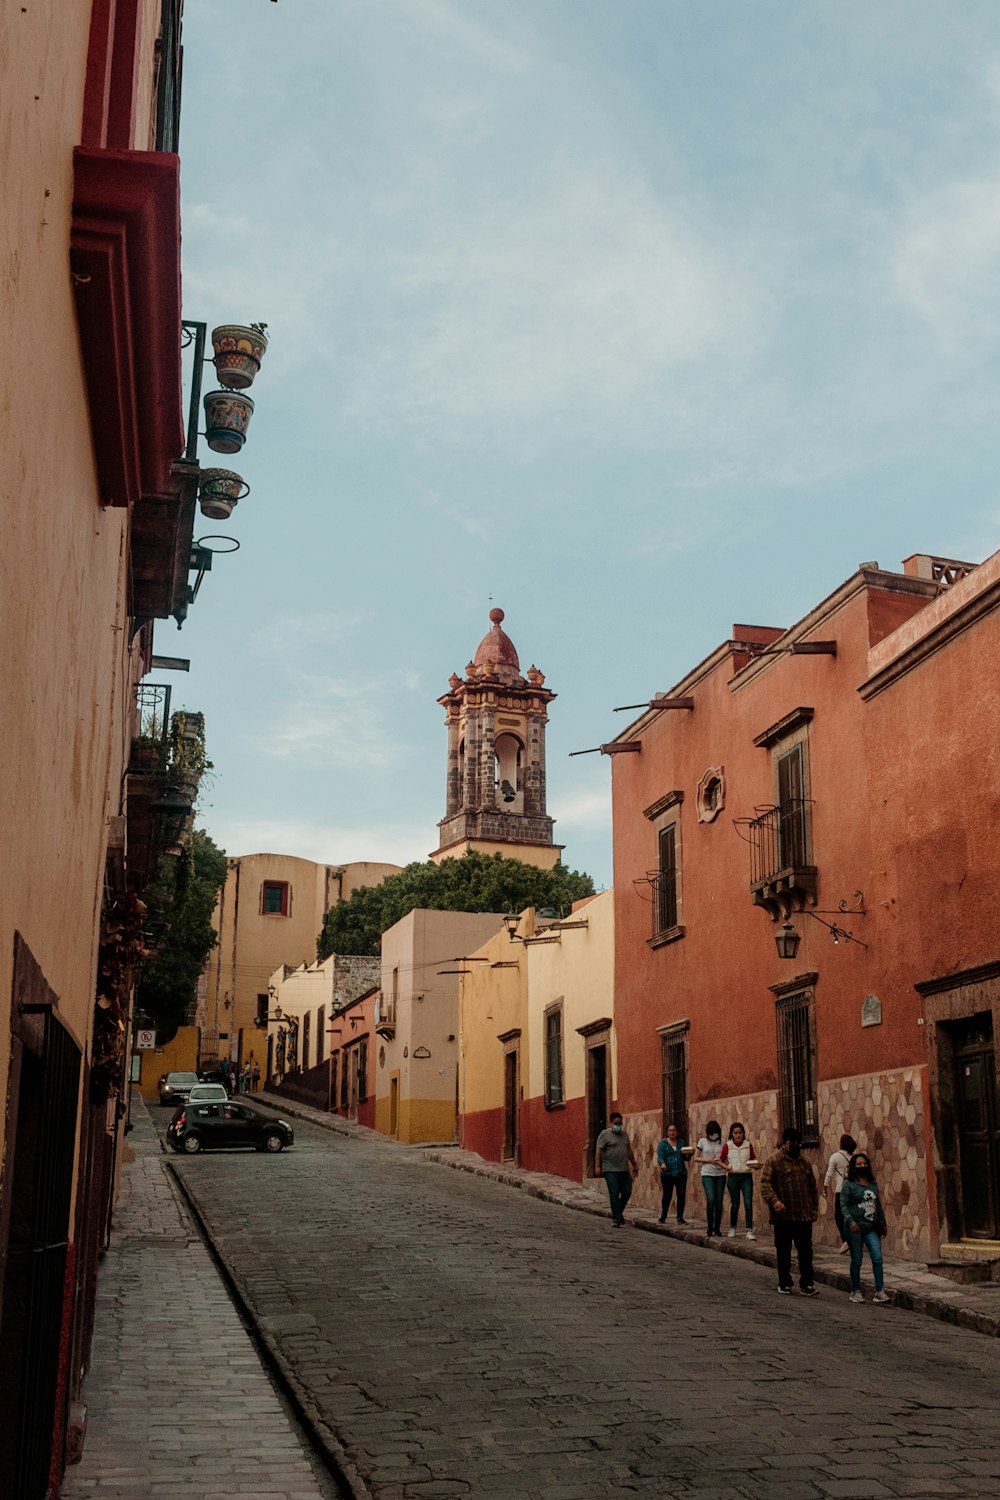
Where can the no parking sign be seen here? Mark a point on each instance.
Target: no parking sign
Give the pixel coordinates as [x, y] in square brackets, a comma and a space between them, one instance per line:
[145, 1038]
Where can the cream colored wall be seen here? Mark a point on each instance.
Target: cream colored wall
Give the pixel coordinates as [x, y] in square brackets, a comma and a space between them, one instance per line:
[579, 970]
[542, 856]
[492, 1001]
[66, 684]
[421, 945]
[252, 945]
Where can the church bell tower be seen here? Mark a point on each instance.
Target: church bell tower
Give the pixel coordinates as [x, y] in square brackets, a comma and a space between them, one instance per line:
[496, 757]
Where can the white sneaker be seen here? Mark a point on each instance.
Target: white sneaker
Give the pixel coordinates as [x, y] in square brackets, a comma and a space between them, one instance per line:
[859, 1297]
[751, 1235]
[732, 1234]
[881, 1297]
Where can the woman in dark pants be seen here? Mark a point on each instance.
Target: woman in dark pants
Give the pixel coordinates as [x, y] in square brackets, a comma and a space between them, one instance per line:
[670, 1155]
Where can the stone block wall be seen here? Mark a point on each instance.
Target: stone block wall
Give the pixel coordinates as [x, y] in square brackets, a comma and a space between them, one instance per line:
[883, 1111]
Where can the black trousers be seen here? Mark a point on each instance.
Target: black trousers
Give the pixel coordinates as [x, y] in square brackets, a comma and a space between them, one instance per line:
[800, 1234]
[667, 1186]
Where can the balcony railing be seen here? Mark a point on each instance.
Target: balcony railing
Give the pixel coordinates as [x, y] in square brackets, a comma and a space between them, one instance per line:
[780, 843]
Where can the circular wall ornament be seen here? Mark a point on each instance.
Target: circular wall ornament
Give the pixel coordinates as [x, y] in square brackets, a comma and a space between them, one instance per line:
[710, 797]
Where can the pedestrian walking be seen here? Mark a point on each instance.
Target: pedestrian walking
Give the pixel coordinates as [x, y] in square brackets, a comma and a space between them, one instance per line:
[244, 1080]
[713, 1175]
[614, 1160]
[740, 1161]
[788, 1187]
[864, 1219]
[670, 1154]
[836, 1172]
[255, 1078]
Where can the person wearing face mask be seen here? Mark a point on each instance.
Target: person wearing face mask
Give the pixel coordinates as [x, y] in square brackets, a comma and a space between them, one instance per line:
[713, 1176]
[615, 1162]
[864, 1219]
[788, 1187]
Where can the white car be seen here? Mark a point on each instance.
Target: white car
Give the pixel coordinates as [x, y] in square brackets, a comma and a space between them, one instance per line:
[208, 1093]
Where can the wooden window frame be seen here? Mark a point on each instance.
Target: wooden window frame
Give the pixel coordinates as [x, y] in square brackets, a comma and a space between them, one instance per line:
[286, 897]
[554, 1012]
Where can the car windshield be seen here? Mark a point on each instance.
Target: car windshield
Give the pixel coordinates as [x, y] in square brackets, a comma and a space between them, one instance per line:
[182, 1080]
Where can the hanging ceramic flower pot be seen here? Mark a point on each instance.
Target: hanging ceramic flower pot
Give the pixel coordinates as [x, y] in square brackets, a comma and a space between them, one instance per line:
[227, 417]
[238, 353]
[218, 492]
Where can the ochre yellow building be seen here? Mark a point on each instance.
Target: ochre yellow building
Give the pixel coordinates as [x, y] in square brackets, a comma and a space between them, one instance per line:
[269, 914]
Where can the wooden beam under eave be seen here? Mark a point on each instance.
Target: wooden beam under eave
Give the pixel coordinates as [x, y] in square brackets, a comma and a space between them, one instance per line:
[621, 749]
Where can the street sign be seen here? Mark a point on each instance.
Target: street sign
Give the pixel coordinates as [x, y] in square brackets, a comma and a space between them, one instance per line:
[145, 1039]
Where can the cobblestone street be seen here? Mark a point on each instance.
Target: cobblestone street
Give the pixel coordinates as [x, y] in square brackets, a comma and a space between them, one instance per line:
[460, 1338]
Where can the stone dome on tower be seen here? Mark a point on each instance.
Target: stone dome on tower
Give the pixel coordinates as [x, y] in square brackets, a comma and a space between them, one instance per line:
[496, 649]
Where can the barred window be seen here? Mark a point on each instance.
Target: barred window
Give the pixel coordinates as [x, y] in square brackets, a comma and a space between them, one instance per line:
[363, 1070]
[674, 1070]
[797, 1064]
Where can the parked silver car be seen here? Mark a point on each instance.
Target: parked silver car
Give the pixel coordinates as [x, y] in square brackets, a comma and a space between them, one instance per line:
[175, 1087]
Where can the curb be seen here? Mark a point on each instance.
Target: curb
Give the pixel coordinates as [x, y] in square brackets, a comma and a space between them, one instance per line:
[323, 1438]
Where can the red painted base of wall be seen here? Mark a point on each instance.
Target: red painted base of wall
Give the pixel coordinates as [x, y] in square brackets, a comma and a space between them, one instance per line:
[366, 1113]
[553, 1140]
[483, 1133]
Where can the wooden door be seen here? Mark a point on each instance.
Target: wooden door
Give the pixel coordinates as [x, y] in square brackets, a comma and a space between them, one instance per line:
[510, 1106]
[978, 1142]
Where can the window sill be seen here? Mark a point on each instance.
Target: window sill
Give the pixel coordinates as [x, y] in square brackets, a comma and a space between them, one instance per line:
[556, 1104]
[669, 935]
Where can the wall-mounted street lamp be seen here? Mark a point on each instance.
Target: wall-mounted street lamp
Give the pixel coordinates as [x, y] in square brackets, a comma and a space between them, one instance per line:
[787, 940]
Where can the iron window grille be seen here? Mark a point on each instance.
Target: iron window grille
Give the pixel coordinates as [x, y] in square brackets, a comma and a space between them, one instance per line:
[674, 1067]
[797, 1064]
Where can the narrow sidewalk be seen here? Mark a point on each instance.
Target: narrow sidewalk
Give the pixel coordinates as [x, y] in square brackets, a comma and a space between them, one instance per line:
[975, 1307]
[178, 1402]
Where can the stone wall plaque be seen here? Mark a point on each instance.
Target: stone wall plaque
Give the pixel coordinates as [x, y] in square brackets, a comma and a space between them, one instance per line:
[871, 1011]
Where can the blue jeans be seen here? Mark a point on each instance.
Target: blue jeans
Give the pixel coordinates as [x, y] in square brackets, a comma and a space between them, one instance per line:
[740, 1183]
[619, 1191]
[715, 1196]
[857, 1242]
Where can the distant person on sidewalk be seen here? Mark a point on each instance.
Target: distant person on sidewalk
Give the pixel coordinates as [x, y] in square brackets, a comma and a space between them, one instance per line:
[255, 1078]
[788, 1187]
[864, 1219]
[836, 1172]
[740, 1161]
[670, 1154]
[615, 1161]
[713, 1176]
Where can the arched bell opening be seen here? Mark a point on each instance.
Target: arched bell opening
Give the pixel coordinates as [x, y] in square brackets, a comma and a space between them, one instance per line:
[509, 753]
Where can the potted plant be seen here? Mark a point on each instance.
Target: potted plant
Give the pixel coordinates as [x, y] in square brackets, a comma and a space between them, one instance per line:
[238, 353]
[188, 762]
[218, 492]
[145, 753]
[227, 417]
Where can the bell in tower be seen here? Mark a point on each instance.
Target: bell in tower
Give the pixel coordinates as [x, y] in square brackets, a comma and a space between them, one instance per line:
[496, 757]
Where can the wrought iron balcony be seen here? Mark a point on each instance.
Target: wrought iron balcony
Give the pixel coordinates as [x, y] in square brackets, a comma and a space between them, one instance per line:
[782, 879]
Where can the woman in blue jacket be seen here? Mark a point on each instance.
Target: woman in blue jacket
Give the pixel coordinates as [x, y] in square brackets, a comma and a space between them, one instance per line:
[864, 1223]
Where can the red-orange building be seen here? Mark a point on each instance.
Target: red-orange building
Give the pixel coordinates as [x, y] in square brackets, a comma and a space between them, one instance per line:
[832, 786]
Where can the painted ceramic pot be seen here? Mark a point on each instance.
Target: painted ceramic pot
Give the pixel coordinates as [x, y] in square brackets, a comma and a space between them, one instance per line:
[238, 353]
[218, 492]
[227, 417]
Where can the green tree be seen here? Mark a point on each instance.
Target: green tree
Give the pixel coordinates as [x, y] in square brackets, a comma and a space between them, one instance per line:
[183, 896]
[476, 882]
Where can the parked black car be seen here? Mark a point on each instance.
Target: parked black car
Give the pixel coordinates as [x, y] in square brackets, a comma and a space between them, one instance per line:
[215, 1075]
[206, 1127]
[175, 1087]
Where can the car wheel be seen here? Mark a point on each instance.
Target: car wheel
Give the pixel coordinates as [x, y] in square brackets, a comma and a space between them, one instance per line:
[192, 1145]
[274, 1141]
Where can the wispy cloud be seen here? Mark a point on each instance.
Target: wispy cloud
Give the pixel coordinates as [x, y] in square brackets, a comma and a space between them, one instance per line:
[338, 721]
[948, 263]
[326, 843]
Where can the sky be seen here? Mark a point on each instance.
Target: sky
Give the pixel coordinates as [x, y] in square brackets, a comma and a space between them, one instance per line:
[636, 320]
